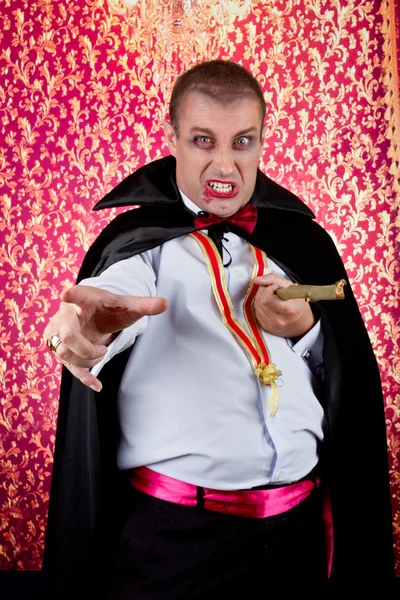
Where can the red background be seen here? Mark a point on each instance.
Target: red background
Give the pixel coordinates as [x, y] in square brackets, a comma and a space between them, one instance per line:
[83, 93]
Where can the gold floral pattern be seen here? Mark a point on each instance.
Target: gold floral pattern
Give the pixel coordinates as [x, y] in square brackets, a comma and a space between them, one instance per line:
[81, 107]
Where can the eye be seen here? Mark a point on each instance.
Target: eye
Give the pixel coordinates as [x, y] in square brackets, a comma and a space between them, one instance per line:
[243, 141]
[202, 139]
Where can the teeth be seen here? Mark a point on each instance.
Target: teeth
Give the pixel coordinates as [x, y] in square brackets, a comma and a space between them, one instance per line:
[221, 187]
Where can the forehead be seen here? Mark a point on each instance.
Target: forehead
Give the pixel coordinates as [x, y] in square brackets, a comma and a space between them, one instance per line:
[199, 111]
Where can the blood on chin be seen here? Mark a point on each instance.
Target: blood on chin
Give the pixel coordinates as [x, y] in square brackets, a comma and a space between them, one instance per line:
[223, 207]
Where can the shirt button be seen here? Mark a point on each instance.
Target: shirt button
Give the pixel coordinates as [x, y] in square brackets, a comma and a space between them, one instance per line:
[238, 273]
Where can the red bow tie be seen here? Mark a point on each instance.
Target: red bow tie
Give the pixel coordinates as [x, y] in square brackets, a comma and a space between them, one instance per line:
[246, 218]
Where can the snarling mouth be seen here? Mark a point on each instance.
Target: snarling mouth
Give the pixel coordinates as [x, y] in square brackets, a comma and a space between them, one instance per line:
[221, 188]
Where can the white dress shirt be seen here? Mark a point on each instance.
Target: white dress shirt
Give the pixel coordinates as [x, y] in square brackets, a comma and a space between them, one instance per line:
[190, 405]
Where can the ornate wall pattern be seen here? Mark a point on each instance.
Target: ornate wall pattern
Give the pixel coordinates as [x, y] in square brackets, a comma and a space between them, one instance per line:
[82, 98]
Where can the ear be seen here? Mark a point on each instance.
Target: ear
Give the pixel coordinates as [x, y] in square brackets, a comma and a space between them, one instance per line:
[170, 137]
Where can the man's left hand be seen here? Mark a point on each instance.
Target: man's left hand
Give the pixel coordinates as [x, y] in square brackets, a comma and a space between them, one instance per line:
[284, 318]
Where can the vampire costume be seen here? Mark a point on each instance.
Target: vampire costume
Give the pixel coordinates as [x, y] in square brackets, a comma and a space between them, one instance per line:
[88, 503]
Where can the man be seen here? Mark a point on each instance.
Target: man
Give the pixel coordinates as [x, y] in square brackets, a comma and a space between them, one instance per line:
[225, 418]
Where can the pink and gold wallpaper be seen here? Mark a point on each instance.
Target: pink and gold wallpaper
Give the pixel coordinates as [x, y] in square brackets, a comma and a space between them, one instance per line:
[83, 91]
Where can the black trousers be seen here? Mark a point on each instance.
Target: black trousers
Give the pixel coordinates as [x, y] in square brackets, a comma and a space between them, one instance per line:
[171, 552]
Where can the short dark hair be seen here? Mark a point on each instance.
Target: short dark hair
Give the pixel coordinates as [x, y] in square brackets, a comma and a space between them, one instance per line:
[223, 80]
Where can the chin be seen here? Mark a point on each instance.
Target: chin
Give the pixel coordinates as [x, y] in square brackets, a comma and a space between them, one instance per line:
[223, 208]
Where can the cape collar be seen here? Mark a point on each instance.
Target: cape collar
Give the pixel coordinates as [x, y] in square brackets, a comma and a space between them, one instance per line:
[155, 184]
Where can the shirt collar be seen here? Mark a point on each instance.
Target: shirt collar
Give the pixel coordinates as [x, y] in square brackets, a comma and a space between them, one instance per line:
[189, 204]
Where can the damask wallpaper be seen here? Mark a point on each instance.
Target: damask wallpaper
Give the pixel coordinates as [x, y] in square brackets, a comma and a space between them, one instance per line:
[83, 91]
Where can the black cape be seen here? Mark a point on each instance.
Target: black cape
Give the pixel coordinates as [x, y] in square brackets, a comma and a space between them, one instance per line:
[89, 499]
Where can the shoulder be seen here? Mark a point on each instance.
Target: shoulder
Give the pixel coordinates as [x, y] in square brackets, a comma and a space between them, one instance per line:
[132, 233]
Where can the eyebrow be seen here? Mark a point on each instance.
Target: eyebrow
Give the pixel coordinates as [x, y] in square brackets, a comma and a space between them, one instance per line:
[197, 129]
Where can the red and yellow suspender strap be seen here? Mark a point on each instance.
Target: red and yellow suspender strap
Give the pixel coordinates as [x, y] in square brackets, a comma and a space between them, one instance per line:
[253, 343]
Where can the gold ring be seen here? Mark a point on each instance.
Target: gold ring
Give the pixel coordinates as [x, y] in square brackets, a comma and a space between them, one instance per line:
[54, 341]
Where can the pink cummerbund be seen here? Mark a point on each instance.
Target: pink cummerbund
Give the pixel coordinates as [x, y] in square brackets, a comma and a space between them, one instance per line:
[256, 504]
[246, 503]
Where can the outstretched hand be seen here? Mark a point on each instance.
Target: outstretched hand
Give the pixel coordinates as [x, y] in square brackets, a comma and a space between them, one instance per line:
[284, 318]
[89, 319]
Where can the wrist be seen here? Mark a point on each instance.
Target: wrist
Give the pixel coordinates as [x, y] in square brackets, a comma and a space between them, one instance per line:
[302, 327]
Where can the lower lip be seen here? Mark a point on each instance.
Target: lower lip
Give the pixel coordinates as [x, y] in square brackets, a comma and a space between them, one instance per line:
[210, 193]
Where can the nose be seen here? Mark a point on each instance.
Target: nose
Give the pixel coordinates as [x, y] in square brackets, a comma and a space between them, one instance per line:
[223, 161]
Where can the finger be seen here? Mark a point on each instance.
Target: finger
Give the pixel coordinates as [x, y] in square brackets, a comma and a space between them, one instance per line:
[272, 279]
[75, 344]
[288, 308]
[96, 298]
[136, 306]
[64, 354]
[84, 376]
[118, 312]
[148, 306]
[267, 292]
[85, 296]
[49, 331]
[267, 299]
[52, 326]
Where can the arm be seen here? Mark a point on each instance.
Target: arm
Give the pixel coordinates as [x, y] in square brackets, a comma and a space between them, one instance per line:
[90, 317]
